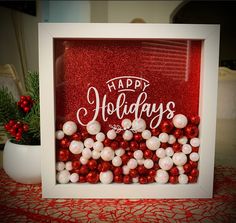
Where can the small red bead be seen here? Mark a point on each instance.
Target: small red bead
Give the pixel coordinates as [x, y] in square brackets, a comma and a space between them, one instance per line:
[193, 164]
[176, 147]
[127, 179]
[25, 128]
[92, 177]
[137, 137]
[125, 158]
[118, 171]
[187, 168]
[114, 145]
[178, 133]
[63, 155]
[64, 143]
[84, 135]
[130, 154]
[133, 173]
[133, 145]
[155, 132]
[83, 170]
[166, 126]
[124, 144]
[118, 178]
[76, 164]
[194, 172]
[155, 158]
[152, 173]
[192, 179]
[194, 119]
[174, 171]
[148, 154]
[173, 179]
[191, 131]
[142, 146]
[107, 142]
[150, 179]
[92, 164]
[143, 180]
[105, 166]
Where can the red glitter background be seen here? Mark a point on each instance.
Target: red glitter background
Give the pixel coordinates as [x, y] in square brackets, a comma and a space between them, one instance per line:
[171, 66]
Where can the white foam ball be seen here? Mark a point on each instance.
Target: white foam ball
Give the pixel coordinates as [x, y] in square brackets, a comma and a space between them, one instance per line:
[140, 162]
[153, 143]
[179, 159]
[194, 156]
[163, 137]
[76, 147]
[106, 177]
[93, 127]
[195, 142]
[180, 121]
[169, 151]
[60, 166]
[148, 163]
[183, 140]
[87, 153]
[126, 124]
[162, 176]
[63, 177]
[100, 137]
[111, 134]
[125, 169]
[165, 163]
[171, 139]
[138, 154]
[186, 149]
[74, 177]
[181, 169]
[98, 146]
[127, 135]
[69, 165]
[132, 163]
[160, 153]
[183, 179]
[120, 152]
[59, 134]
[83, 160]
[88, 143]
[116, 161]
[135, 180]
[146, 134]
[107, 154]
[69, 128]
[139, 125]
[96, 154]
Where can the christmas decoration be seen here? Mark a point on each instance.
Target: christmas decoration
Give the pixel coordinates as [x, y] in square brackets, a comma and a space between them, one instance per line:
[21, 119]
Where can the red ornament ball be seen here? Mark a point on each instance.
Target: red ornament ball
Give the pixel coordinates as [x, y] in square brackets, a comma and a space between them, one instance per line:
[133, 145]
[178, 133]
[143, 180]
[187, 167]
[124, 144]
[92, 164]
[174, 171]
[133, 173]
[114, 145]
[166, 126]
[137, 137]
[83, 170]
[118, 171]
[148, 154]
[118, 178]
[191, 131]
[155, 132]
[194, 119]
[173, 179]
[92, 177]
[127, 179]
[75, 164]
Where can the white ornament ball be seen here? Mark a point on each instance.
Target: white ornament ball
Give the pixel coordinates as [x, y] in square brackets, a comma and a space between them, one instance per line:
[87, 153]
[139, 125]
[135, 180]
[98, 146]
[106, 177]
[181, 169]
[165, 163]
[83, 160]
[132, 163]
[74, 177]
[148, 163]
[164, 137]
[111, 134]
[127, 135]
[69, 128]
[138, 154]
[60, 166]
[69, 166]
[146, 134]
[96, 154]
[153, 143]
[100, 137]
[195, 142]
[63, 177]
[171, 139]
[59, 134]
[125, 169]
[180, 121]
[183, 179]
[88, 143]
[160, 153]
[169, 151]
[186, 149]
[140, 162]
[194, 156]
[162, 176]
[76, 147]
[120, 152]
[179, 159]
[116, 161]
[107, 154]
[126, 124]
[93, 127]
[183, 140]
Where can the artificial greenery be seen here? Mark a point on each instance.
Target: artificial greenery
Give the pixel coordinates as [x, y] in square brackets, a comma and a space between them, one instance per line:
[10, 110]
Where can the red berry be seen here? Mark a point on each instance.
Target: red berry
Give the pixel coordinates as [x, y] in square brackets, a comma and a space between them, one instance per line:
[83, 170]
[137, 137]
[22, 98]
[25, 128]
[11, 122]
[18, 138]
[28, 98]
[7, 127]
[143, 180]
[127, 179]
[133, 173]
[19, 135]
[75, 164]
[26, 109]
[148, 154]
[114, 145]
[25, 103]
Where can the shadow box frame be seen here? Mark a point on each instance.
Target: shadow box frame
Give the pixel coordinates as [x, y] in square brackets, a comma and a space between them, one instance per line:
[209, 34]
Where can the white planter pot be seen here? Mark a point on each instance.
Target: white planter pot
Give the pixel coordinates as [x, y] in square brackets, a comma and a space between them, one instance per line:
[22, 163]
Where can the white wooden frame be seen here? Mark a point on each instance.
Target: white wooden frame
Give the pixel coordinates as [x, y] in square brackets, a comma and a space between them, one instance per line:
[207, 109]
